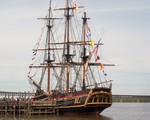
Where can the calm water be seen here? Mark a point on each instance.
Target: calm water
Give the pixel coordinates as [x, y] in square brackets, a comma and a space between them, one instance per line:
[118, 111]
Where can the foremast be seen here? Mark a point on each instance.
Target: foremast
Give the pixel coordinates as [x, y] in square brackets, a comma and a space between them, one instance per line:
[48, 58]
[50, 19]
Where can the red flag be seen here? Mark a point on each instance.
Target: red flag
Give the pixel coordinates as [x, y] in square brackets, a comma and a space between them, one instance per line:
[95, 50]
[97, 58]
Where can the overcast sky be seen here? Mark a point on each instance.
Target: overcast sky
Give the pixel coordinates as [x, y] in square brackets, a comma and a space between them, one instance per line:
[123, 24]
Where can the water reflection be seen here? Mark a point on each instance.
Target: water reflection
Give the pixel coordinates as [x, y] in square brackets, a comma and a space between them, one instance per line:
[53, 117]
[118, 111]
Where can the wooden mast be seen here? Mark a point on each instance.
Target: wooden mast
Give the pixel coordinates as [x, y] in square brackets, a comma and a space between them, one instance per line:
[84, 49]
[67, 42]
[48, 43]
[49, 60]
[47, 48]
[68, 47]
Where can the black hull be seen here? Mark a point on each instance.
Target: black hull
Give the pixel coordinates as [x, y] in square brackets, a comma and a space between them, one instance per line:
[92, 101]
[94, 110]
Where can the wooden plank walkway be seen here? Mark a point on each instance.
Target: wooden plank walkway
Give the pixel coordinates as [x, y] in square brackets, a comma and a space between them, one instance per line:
[27, 106]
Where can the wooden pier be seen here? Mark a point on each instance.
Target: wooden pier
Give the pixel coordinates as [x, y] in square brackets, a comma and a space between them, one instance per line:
[21, 103]
[8, 106]
[44, 107]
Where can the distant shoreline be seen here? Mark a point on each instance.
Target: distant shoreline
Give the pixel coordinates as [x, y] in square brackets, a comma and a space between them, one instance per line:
[131, 98]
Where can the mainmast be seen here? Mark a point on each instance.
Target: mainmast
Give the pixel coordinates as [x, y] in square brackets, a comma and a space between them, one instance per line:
[49, 26]
[68, 13]
[68, 47]
[84, 49]
[50, 20]
[66, 39]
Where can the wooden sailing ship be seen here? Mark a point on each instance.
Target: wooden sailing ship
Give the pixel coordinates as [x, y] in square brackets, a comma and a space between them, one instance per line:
[67, 70]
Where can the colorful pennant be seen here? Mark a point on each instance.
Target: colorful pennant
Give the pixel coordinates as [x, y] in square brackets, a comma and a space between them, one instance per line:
[97, 58]
[102, 67]
[92, 42]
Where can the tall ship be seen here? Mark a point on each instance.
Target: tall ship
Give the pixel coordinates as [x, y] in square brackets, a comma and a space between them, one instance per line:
[68, 70]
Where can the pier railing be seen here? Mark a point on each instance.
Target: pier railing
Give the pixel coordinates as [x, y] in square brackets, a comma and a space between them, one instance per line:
[15, 94]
